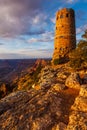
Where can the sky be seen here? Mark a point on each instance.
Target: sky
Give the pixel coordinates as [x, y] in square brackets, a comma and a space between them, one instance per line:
[27, 27]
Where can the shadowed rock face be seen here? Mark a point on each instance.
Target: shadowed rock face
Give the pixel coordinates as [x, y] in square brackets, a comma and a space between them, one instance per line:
[35, 110]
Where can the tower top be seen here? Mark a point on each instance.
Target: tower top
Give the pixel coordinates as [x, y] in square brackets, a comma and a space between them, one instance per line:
[65, 10]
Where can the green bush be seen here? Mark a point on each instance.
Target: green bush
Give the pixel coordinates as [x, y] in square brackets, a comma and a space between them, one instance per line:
[60, 60]
[57, 61]
[36, 73]
[78, 57]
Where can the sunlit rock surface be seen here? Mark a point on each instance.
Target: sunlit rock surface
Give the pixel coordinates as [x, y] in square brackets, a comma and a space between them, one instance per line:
[78, 117]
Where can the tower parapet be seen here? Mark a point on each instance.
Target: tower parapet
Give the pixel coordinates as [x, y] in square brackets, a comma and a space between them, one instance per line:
[65, 33]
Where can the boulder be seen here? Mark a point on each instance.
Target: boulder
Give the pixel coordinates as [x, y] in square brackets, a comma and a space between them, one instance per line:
[58, 87]
[63, 75]
[83, 90]
[73, 81]
[77, 121]
[47, 76]
[78, 117]
[80, 104]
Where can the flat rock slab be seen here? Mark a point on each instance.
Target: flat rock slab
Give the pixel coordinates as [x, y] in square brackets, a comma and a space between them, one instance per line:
[36, 110]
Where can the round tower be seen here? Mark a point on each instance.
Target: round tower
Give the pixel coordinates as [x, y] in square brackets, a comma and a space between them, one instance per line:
[65, 34]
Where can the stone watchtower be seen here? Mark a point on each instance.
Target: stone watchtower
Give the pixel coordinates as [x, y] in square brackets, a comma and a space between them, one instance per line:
[65, 34]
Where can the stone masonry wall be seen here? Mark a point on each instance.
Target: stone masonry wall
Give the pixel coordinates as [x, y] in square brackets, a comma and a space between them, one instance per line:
[65, 34]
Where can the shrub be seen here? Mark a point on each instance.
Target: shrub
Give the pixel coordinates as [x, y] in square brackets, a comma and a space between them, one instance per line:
[36, 73]
[78, 57]
[57, 61]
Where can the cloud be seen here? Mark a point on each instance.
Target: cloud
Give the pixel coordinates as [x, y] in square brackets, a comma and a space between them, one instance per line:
[37, 53]
[1, 44]
[53, 19]
[81, 29]
[21, 17]
[18, 16]
[24, 54]
[45, 37]
[11, 56]
[39, 18]
[33, 32]
[46, 50]
[71, 1]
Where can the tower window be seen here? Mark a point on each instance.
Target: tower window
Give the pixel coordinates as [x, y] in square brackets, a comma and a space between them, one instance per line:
[57, 18]
[61, 36]
[61, 16]
[61, 49]
[67, 15]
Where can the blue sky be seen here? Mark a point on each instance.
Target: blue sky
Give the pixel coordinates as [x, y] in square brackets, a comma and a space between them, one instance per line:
[27, 26]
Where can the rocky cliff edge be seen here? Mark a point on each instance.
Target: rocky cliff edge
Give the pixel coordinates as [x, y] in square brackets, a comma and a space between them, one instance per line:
[59, 103]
